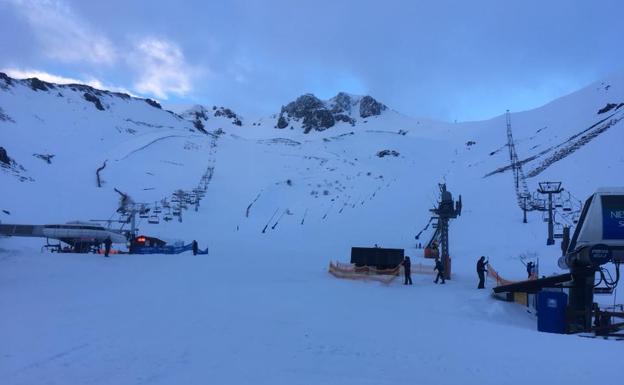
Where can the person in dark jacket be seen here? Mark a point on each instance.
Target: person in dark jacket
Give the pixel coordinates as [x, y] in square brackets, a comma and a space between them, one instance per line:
[407, 269]
[481, 264]
[440, 268]
[107, 246]
[195, 247]
[529, 268]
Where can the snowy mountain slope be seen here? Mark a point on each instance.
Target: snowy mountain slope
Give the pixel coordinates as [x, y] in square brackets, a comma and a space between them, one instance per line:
[593, 163]
[261, 307]
[334, 177]
[150, 153]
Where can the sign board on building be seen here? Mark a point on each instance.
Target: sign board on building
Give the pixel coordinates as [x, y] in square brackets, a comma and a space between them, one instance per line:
[613, 217]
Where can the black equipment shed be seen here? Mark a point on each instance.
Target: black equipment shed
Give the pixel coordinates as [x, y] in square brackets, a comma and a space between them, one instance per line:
[377, 257]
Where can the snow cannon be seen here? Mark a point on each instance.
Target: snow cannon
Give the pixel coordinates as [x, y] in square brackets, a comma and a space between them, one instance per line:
[598, 239]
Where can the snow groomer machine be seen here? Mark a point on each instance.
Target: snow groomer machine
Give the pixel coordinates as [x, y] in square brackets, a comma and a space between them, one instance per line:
[595, 250]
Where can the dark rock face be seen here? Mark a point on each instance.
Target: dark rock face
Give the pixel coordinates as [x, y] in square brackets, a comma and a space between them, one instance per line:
[344, 118]
[93, 99]
[302, 107]
[227, 113]
[318, 120]
[201, 114]
[197, 115]
[609, 106]
[39, 85]
[153, 103]
[317, 115]
[370, 107]
[4, 117]
[84, 88]
[45, 157]
[311, 110]
[383, 153]
[4, 157]
[282, 122]
[121, 95]
[342, 103]
[199, 125]
[5, 81]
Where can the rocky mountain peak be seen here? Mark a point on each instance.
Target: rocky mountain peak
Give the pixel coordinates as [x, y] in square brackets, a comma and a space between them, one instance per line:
[318, 115]
[199, 115]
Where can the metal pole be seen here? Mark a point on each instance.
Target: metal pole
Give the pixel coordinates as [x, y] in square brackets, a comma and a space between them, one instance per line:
[444, 240]
[551, 239]
[133, 222]
[524, 208]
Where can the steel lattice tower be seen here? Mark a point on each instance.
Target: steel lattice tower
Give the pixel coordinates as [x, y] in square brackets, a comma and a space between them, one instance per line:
[522, 190]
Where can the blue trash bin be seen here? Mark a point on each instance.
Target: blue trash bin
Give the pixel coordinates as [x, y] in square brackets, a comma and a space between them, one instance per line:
[551, 311]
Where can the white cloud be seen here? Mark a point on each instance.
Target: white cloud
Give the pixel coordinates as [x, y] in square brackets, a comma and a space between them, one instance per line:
[162, 68]
[159, 65]
[63, 35]
[51, 78]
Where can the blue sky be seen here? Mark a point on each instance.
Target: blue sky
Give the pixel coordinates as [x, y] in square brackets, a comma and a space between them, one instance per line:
[450, 60]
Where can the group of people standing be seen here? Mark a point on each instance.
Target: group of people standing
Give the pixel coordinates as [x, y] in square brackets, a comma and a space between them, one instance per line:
[407, 269]
[439, 267]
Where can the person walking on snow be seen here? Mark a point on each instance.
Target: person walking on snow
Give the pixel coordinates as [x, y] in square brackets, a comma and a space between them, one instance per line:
[481, 264]
[195, 247]
[107, 246]
[440, 268]
[407, 269]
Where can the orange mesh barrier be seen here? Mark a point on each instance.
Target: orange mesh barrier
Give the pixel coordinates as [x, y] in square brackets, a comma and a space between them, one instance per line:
[350, 271]
[502, 281]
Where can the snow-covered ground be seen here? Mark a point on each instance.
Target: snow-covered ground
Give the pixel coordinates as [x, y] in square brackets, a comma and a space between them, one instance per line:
[261, 307]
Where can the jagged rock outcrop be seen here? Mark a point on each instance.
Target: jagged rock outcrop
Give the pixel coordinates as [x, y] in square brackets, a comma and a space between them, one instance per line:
[609, 107]
[153, 103]
[384, 153]
[199, 115]
[227, 113]
[370, 107]
[4, 157]
[4, 117]
[40, 85]
[318, 115]
[342, 103]
[310, 110]
[5, 81]
[93, 99]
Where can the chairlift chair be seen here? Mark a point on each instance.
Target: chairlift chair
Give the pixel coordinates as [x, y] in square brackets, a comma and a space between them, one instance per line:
[153, 219]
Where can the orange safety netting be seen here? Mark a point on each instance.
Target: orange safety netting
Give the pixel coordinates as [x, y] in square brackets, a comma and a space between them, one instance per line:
[502, 281]
[350, 271]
